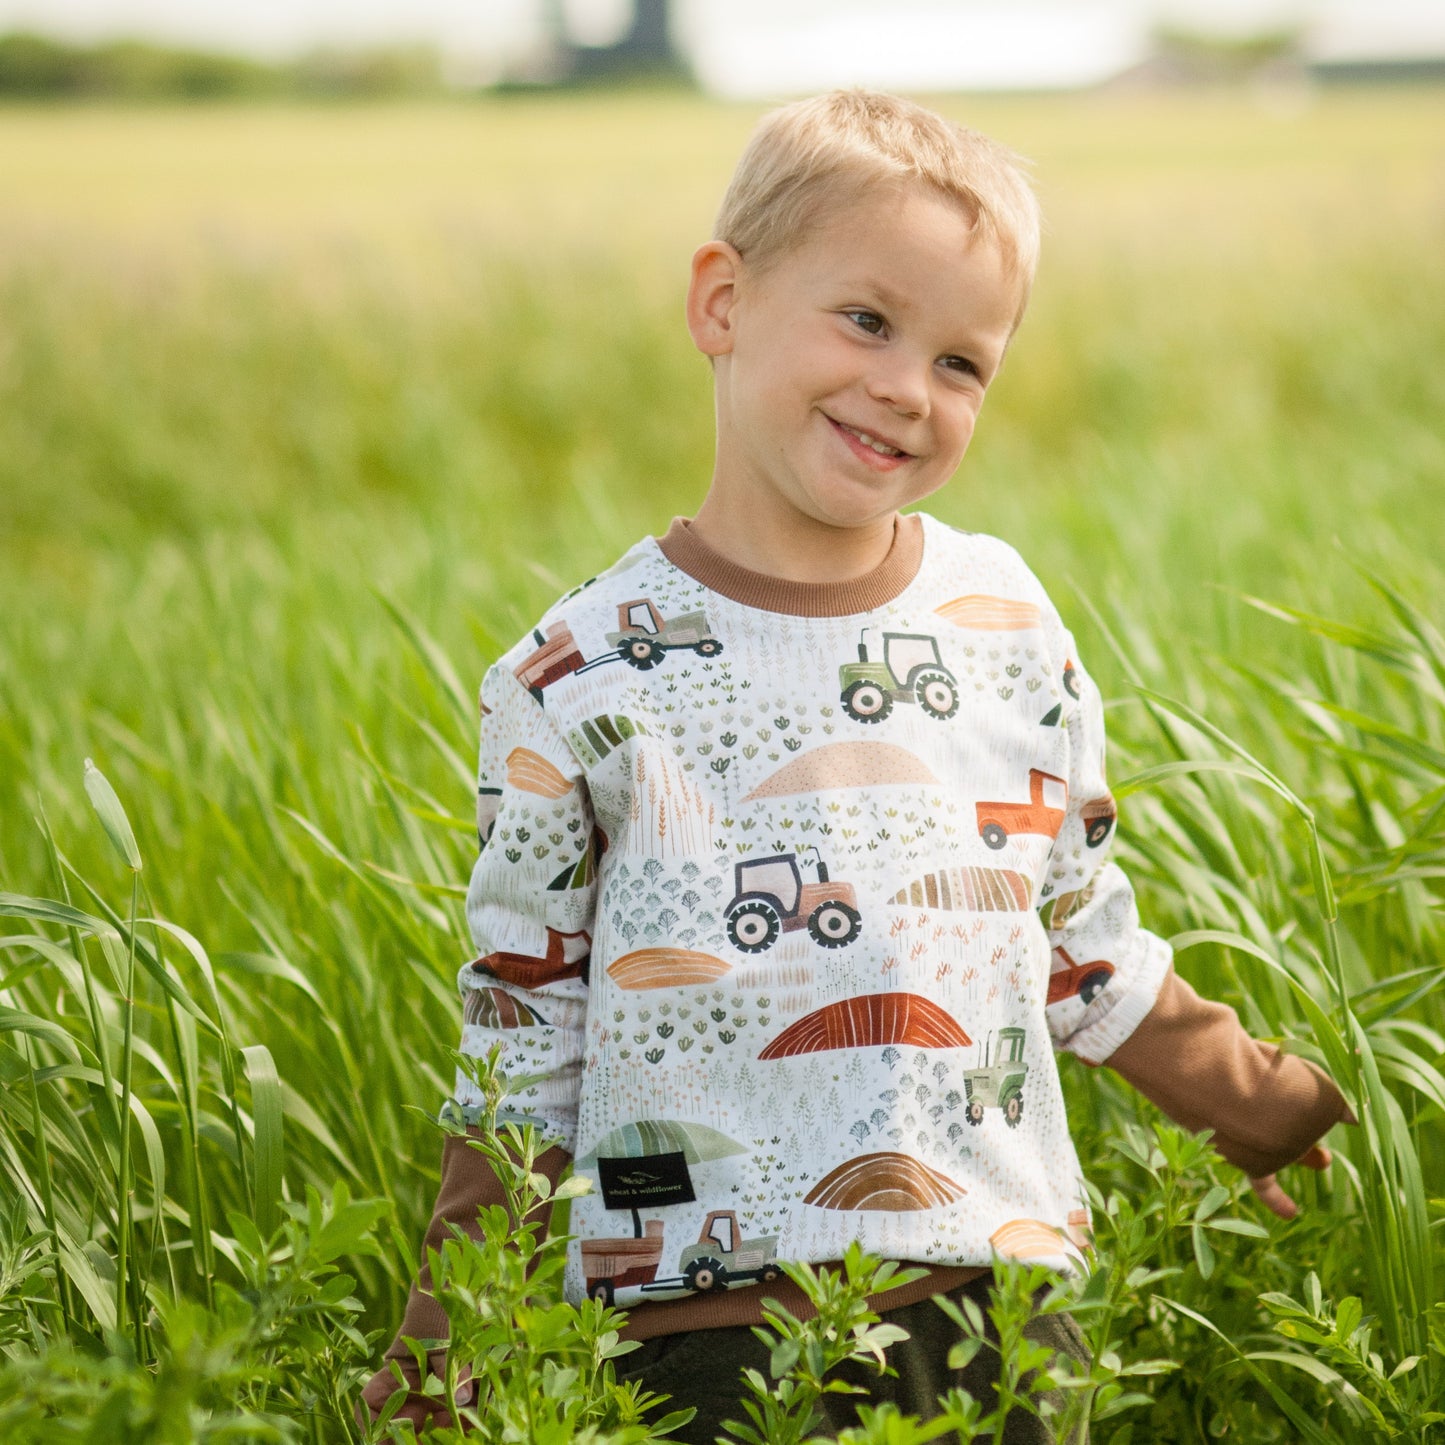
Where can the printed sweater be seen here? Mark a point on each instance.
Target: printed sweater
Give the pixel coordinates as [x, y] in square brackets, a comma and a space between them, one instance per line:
[757, 914]
[787, 894]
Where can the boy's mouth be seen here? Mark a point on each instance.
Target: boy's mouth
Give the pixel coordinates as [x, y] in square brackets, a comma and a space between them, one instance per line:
[868, 445]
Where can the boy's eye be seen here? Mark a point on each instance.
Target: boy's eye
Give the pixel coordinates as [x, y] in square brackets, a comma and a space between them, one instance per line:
[869, 321]
[960, 364]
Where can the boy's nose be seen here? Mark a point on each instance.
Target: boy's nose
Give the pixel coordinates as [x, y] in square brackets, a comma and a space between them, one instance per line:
[900, 385]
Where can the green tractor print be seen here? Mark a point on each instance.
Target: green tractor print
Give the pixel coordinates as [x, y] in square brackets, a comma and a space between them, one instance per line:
[907, 668]
[770, 898]
[1000, 1084]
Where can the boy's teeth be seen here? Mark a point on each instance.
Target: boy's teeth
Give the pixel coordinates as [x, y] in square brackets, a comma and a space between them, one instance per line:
[877, 446]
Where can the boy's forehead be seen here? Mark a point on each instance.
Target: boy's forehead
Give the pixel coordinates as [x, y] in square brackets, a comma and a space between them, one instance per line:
[915, 251]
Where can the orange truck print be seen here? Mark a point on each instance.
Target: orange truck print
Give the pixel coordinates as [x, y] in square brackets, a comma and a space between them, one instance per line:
[1099, 817]
[1068, 979]
[1043, 813]
[644, 634]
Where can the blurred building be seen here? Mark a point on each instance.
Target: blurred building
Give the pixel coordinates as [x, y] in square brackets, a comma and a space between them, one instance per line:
[644, 50]
[762, 49]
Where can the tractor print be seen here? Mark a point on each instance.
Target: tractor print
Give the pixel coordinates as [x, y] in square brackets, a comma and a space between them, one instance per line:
[612, 1264]
[1043, 813]
[998, 1085]
[556, 655]
[1099, 817]
[908, 670]
[1068, 979]
[644, 634]
[771, 898]
[722, 1257]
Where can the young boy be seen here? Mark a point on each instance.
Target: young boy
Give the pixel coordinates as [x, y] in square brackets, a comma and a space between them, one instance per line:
[794, 824]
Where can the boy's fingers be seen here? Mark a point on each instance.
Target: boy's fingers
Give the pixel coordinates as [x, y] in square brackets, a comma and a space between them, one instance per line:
[1273, 1197]
[1271, 1193]
[419, 1409]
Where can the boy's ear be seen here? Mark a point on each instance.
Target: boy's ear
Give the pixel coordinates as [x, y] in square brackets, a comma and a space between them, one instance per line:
[711, 294]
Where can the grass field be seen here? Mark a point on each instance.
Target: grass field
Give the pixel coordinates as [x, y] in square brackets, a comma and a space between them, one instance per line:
[305, 414]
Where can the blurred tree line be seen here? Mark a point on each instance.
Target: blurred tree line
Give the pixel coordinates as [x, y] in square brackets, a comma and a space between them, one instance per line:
[36, 67]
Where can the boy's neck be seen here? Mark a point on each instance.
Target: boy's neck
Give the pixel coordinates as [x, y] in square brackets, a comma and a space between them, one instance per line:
[814, 553]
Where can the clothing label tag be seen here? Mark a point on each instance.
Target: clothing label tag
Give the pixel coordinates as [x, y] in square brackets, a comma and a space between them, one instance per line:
[654, 1179]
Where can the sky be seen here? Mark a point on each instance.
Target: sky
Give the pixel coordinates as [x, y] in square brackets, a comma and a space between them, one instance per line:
[758, 47]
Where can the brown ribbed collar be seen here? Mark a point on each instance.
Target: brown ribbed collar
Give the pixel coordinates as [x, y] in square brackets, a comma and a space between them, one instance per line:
[688, 553]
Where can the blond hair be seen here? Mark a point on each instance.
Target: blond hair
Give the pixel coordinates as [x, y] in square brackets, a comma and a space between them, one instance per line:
[807, 157]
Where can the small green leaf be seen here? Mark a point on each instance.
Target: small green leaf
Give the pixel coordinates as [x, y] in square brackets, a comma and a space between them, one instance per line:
[1150, 1367]
[784, 1357]
[1211, 1202]
[112, 816]
[961, 1355]
[1203, 1251]
[1238, 1226]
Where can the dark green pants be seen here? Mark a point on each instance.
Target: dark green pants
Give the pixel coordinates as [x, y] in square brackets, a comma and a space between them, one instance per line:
[703, 1369]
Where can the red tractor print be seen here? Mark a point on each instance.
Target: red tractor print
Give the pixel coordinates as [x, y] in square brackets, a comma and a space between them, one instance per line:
[1043, 813]
[557, 655]
[771, 898]
[1068, 979]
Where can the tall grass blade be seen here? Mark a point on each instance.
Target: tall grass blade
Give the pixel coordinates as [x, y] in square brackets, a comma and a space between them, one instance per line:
[109, 810]
[267, 1116]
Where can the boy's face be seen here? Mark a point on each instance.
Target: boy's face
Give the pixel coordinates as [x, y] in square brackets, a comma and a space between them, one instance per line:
[850, 371]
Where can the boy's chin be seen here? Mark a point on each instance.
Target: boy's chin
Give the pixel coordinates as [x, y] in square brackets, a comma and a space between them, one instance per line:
[851, 514]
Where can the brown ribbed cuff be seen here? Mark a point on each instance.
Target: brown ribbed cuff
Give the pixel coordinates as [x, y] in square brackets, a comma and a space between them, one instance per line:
[1192, 1058]
[468, 1185]
[689, 553]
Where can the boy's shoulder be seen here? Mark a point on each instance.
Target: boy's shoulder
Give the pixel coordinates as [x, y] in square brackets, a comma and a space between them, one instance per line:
[980, 582]
[637, 595]
[978, 559]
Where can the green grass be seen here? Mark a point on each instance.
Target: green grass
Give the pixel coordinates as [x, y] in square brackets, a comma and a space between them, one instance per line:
[273, 493]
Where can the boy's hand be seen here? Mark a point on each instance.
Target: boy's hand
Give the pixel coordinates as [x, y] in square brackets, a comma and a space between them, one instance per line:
[421, 1410]
[1271, 1193]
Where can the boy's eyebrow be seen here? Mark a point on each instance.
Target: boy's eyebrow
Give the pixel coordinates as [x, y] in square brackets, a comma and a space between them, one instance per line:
[880, 292]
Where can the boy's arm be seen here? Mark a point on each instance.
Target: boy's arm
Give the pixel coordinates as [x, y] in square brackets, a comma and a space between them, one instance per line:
[468, 1185]
[1121, 1003]
[530, 909]
[1193, 1058]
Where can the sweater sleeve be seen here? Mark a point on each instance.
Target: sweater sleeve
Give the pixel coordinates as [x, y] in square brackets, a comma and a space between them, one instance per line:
[1193, 1058]
[1106, 968]
[530, 908]
[1115, 997]
[468, 1185]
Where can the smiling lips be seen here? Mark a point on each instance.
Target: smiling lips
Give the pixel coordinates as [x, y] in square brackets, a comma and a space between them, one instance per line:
[868, 448]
